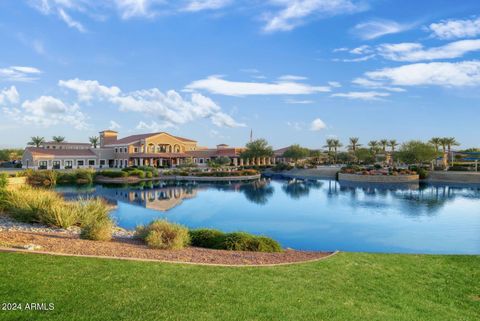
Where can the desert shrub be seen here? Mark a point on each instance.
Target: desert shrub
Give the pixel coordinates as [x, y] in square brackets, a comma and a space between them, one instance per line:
[84, 176]
[66, 178]
[3, 180]
[94, 219]
[150, 169]
[148, 174]
[112, 173]
[137, 172]
[100, 230]
[241, 241]
[42, 178]
[161, 234]
[207, 238]
[281, 167]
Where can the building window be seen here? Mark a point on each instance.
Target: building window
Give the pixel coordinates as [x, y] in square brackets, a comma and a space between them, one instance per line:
[91, 162]
[116, 150]
[80, 162]
[56, 164]
[68, 164]
[135, 150]
[102, 162]
[42, 165]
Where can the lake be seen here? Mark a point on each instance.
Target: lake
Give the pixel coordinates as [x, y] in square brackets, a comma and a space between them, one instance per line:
[320, 215]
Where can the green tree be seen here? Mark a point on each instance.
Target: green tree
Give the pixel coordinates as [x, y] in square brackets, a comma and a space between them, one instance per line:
[451, 141]
[417, 152]
[58, 139]
[354, 146]
[329, 145]
[336, 145]
[365, 156]
[373, 144]
[384, 144]
[257, 148]
[94, 141]
[436, 142]
[296, 152]
[223, 161]
[36, 141]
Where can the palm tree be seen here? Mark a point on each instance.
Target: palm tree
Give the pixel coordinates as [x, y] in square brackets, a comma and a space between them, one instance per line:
[58, 139]
[336, 145]
[94, 141]
[451, 141]
[444, 142]
[373, 144]
[384, 143]
[354, 145]
[392, 143]
[329, 145]
[36, 141]
[436, 142]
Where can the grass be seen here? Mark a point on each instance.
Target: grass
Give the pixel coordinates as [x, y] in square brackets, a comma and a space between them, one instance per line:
[348, 286]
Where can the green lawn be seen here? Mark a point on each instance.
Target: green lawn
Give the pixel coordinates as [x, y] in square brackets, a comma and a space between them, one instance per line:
[349, 286]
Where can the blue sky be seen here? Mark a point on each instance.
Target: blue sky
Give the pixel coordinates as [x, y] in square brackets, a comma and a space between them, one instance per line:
[296, 71]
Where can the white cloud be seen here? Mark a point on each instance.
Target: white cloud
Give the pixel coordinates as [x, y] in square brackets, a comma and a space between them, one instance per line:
[291, 77]
[451, 29]
[415, 52]
[364, 49]
[199, 5]
[364, 58]
[9, 96]
[70, 22]
[217, 85]
[294, 12]
[448, 74]
[89, 89]
[362, 95]
[154, 126]
[47, 111]
[317, 125]
[114, 125]
[377, 28]
[299, 102]
[136, 8]
[334, 84]
[19, 73]
[295, 125]
[363, 82]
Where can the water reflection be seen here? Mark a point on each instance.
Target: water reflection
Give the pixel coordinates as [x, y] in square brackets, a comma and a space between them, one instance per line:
[311, 214]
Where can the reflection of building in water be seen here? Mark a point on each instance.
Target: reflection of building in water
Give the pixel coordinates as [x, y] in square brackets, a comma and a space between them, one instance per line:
[161, 199]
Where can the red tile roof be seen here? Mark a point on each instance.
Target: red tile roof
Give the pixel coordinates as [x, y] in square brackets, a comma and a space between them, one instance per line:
[60, 152]
[66, 143]
[134, 138]
[229, 152]
[157, 155]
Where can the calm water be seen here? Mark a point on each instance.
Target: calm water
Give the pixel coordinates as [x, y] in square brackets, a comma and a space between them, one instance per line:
[312, 215]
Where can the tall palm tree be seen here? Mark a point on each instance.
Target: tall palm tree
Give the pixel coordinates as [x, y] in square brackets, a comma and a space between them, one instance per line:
[444, 142]
[392, 143]
[436, 142]
[336, 145]
[373, 144]
[94, 141]
[354, 145]
[329, 145]
[451, 141]
[36, 141]
[58, 139]
[384, 143]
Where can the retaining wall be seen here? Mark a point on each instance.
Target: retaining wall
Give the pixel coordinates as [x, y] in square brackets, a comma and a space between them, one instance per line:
[455, 177]
[388, 179]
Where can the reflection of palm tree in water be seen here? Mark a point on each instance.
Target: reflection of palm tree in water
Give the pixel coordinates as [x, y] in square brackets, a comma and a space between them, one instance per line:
[257, 192]
[297, 189]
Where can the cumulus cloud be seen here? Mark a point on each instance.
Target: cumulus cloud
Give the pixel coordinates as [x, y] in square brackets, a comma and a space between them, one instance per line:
[317, 125]
[416, 52]
[154, 126]
[451, 29]
[114, 125]
[9, 96]
[294, 12]
[88, 89]
[448, 74]
[170, 107]
[19, 73]
[373, 29]
[47, 111]
[199, 5]
[217, 85]
[362, 95]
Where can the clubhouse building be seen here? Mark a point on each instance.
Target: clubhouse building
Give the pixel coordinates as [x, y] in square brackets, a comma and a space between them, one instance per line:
[155, 149]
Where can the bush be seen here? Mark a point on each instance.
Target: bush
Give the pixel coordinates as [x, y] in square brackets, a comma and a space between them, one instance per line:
[207, 238]
[100, 230]
[161, 234]
[84, 176]
[137, 172]
[281, 167]
[150, 169]
[112, 173]
[241, 241]
[3, 180]
[42, 177]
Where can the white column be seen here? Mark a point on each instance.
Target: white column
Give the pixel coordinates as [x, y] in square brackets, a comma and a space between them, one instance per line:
[141, 161]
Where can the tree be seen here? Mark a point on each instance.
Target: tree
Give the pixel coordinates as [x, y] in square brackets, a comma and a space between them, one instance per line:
[365, 156]
[417, 152]
[36, 141]
[444, 142]
[223, 161]
[451, 141]
[296, 152]
[384, 144]
[373, 144]
[393, 144]
[94, 141]
[329, 145]
[257, 148]
[354, 145]
[58, 139]
[336, 145]
[436, 142]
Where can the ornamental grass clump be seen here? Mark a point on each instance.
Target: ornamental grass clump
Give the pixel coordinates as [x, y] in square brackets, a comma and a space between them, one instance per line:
[94, 219]
[3, 180]
[207, 238]
[161, 234]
